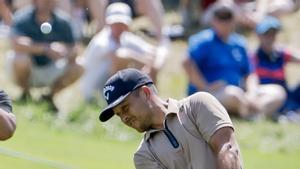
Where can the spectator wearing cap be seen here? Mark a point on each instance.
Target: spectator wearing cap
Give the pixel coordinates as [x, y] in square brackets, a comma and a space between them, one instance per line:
[114, 48]
[270, 61]
[194, 132]
[218, 63]
[40, 58]
[7, 118]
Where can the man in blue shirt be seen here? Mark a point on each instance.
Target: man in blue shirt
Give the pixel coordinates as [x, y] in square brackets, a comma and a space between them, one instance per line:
[41, 58]
[218, 63]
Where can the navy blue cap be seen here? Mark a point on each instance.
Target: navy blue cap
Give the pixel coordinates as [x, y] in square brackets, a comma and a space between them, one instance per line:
[119, 86]
[268, 23]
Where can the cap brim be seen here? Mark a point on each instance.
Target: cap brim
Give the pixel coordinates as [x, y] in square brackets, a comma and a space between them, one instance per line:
[264, 30]
[118, 19]
[107, 113]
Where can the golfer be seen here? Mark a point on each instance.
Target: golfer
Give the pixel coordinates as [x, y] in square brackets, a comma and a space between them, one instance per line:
[193, 133]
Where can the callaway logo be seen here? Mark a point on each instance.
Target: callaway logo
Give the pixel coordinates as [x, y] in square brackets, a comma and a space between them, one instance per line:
[106, 89]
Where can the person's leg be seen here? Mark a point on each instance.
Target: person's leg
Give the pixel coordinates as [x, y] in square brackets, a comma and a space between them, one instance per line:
[234, 100]
[294, 98]
[21, 67]
[72, 72]
[155, 11]
[269, 98]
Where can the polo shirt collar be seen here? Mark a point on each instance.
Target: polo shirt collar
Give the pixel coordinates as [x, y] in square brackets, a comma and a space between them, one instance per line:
[172, 109]
[230, 38]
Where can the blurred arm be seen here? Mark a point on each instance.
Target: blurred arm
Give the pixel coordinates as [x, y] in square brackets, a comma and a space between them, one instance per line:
[294, 55]
[96, 14]
[155, 11]
[24, 44]
[224, 146]
[5, 12]
[194, 75]
[252, 83]
[7, 124]
[54, 50]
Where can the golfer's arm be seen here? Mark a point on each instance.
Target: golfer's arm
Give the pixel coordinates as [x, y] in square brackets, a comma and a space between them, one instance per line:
[7, 124]
[226, 149]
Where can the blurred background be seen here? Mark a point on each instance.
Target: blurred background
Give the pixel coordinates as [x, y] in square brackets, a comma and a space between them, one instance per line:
[74, 138]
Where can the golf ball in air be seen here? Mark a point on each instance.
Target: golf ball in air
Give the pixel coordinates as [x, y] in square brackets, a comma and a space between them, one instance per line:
[46, 27]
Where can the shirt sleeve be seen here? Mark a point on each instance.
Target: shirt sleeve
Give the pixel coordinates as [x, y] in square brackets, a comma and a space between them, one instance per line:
[196, 48]
[208, 113]
[5, 102]
[136, 43]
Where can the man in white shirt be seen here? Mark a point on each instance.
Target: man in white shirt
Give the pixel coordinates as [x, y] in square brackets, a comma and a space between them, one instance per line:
[115, 48]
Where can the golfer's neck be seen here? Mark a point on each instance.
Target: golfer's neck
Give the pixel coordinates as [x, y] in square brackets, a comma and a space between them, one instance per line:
[159, 114]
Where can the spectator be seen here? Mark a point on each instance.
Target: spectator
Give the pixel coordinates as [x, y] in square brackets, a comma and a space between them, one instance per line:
[270, 61]
[249, 12]
[5, 11]
[218, 63]
[7, 118]
[43, 59]
[114, 48]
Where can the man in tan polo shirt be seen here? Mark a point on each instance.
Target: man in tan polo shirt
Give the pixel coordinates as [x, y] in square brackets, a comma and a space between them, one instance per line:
[193, 133]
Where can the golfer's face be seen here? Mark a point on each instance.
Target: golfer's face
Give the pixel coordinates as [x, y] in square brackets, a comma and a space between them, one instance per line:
[132, 112]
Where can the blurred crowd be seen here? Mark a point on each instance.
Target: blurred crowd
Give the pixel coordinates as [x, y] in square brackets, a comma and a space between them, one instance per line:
[46, 35]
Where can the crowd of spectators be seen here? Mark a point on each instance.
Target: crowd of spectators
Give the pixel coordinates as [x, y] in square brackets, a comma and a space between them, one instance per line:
[249, 86]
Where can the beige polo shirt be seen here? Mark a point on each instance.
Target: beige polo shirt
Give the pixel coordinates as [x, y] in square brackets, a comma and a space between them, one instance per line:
[203, 116]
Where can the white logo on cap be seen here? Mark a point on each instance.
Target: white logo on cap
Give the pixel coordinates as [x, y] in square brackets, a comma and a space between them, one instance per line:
[106, 89]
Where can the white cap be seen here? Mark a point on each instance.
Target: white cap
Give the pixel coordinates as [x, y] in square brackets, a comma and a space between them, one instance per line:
[118, 13]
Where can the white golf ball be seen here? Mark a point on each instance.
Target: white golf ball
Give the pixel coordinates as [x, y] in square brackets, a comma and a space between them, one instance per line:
[46, 27]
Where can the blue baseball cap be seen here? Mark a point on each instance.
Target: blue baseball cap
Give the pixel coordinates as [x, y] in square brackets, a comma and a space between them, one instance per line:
[268, 23]
[119, 86]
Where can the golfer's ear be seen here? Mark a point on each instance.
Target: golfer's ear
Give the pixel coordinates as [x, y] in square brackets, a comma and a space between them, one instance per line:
[145, 91]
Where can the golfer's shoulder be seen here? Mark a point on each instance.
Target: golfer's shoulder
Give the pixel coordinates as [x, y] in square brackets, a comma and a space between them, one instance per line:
[197, 99]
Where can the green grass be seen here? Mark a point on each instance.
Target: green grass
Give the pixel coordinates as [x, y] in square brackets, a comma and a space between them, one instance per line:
[41, 141]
